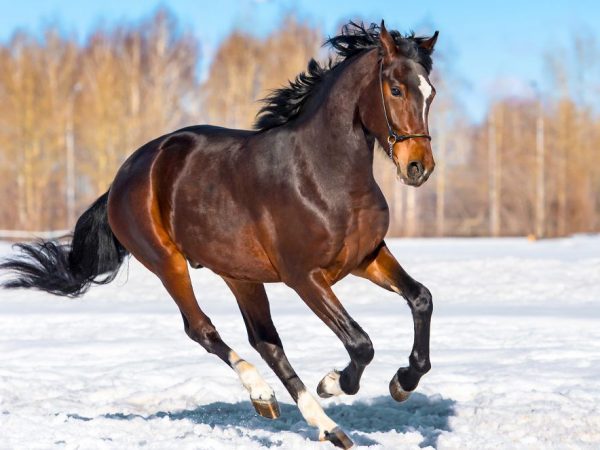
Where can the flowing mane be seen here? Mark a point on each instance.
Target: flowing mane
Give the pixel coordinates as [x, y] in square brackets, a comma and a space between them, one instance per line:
[284, 104]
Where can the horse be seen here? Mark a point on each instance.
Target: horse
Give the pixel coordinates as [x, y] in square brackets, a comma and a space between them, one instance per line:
[294, 201]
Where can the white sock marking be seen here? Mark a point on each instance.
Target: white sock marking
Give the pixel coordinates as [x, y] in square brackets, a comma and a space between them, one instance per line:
[331, 383]
[426, 90]
[250, 378]
[314, 414]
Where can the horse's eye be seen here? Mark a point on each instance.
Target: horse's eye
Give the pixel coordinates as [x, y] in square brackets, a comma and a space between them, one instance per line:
[396, 92]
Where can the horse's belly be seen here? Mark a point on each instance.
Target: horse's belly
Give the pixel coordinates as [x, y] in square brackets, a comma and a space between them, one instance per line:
[232, 252]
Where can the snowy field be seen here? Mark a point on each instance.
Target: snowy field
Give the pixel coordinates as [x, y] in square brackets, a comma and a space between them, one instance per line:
[515, 350]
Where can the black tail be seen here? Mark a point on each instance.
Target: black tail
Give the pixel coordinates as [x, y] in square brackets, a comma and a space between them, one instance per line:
[70, 269]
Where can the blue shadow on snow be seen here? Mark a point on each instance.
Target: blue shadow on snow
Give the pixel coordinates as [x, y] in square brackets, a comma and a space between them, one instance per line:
[428, 416]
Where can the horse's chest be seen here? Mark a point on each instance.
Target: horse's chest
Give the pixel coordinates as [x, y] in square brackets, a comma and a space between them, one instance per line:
[365, 231]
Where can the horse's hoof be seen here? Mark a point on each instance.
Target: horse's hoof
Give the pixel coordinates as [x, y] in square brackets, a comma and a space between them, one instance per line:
[398, 394]
[268, 409]
[330, 385]
[338, 438]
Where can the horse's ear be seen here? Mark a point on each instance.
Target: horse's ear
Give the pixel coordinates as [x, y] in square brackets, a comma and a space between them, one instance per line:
[429, 43]
[388, 46]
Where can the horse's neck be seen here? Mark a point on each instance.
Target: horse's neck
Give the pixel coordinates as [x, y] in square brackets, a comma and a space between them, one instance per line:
[343, 145]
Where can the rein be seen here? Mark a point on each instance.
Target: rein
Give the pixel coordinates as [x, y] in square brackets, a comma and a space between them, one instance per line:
[393, 137]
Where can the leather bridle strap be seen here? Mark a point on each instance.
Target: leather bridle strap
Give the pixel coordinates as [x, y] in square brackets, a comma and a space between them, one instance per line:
[393, 137]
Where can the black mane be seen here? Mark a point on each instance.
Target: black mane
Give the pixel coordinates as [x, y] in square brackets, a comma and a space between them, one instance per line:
[284, 104]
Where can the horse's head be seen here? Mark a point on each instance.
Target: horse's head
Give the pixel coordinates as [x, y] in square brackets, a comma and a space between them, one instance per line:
[404, 94]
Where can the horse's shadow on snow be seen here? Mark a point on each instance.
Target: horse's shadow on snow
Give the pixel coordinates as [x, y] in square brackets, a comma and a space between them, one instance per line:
[427, 415]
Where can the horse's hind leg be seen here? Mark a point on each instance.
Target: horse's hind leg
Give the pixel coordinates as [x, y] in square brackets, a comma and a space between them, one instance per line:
[159, 254]
[254, 305]
[135, 219]
[175, 277]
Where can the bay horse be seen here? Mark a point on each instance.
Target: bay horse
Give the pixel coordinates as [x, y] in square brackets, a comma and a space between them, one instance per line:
[292, 201]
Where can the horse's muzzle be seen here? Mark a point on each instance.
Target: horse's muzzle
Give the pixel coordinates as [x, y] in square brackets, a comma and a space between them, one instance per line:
[415, 174]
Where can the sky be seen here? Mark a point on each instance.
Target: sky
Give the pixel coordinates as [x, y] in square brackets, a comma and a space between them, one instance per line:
[495, 48]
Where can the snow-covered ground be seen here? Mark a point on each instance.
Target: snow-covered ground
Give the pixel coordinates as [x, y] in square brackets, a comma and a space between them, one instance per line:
[515, 350]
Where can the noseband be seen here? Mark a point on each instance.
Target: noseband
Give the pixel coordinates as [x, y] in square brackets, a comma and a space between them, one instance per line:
[394, 137]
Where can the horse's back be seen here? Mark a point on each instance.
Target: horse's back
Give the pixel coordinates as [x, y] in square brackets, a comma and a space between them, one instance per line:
[158, 164]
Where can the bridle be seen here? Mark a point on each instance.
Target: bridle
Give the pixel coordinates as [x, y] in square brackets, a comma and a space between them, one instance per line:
[394, 137]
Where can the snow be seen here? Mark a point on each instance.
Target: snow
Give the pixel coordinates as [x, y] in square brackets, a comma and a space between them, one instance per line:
[515, 350]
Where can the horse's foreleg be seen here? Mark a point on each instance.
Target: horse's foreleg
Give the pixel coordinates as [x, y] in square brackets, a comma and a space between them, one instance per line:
[317, 294]
[382, 269]
[254, 305]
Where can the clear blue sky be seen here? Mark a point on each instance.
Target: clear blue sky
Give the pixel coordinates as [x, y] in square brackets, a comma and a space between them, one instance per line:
[496, 46]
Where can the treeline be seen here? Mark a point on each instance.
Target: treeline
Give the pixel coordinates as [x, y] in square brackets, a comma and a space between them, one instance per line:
[73, 111]
[85, 106]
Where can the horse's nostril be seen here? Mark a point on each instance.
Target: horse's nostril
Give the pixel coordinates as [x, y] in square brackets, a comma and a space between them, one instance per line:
[414, 169]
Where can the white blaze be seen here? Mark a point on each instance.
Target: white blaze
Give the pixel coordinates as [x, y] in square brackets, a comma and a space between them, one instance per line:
[426, 90]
